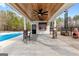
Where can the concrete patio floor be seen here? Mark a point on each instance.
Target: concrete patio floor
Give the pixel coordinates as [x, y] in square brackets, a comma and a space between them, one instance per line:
[44, 46]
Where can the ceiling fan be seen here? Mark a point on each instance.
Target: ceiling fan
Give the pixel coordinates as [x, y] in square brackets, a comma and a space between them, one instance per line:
[40, 13]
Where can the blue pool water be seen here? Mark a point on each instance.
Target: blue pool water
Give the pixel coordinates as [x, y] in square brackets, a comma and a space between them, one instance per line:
[9, 36]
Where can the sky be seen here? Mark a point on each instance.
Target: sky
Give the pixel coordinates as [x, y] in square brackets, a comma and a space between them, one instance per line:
[74, 10]
[5, 7]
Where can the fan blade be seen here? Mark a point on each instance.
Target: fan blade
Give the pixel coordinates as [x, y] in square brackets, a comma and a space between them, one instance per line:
[40, 10]
[45, 12]
[36, 11]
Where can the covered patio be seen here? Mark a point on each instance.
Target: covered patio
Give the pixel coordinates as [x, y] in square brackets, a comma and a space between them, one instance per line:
[43, 43]
[40, 15]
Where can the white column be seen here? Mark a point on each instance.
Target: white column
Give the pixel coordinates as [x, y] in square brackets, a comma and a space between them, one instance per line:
[54, 24]
[24, 23]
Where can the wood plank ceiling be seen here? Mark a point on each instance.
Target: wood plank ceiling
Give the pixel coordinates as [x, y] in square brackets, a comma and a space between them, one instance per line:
[27, 9]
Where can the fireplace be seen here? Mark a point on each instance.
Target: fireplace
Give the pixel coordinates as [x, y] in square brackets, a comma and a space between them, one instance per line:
[42, 26]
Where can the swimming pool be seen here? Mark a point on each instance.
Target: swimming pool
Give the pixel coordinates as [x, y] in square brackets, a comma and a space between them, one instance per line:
[9, 36]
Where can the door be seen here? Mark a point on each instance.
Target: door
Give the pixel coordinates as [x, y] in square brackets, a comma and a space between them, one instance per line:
[33, 28]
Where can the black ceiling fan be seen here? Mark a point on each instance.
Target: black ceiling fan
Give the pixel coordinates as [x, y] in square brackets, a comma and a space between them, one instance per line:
[40, 13]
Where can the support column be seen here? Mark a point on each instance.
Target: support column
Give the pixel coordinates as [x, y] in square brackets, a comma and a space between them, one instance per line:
[54, 30]
[24, 23]
[51, 27]
[66, 22]
[25, 32]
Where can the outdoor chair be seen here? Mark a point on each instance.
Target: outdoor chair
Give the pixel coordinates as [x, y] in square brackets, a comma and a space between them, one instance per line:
[75, 33]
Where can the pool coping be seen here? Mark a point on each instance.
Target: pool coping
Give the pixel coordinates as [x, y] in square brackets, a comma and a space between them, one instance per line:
[10, 41]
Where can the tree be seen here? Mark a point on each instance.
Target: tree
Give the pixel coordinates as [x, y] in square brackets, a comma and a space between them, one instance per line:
[3, 19]
[21, 23]
[76, 17]
[59, 22]
[15, 23]
[11, 21]
[28, 25]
